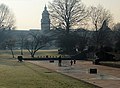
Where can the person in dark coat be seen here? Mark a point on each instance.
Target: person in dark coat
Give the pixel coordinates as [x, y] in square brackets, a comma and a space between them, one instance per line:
[74, 61]
[71, 62]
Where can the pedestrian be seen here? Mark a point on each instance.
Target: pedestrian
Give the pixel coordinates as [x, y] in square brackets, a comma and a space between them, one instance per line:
[71, 62]
[74, 61]
[59, 61]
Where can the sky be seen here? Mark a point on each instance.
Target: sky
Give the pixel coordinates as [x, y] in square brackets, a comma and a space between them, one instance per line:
[28, 12]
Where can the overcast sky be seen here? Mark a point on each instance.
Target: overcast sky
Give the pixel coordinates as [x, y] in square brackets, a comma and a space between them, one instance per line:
[28, 12]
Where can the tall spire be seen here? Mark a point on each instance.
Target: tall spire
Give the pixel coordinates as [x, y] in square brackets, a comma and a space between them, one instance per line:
[45, 8]
[45, 21]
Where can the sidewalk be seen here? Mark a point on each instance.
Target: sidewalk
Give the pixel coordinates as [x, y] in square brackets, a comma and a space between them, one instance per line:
[106, 77]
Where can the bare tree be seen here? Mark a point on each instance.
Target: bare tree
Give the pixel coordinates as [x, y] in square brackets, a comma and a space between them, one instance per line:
[98, 15]
[67, 13]
[10, 43]
[100, 18]
[7, 19]
[35, 42]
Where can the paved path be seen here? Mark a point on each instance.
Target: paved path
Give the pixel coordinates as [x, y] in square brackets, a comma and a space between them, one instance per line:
[106, 77]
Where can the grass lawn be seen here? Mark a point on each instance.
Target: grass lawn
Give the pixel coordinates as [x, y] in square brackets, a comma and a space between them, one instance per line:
[26, 75]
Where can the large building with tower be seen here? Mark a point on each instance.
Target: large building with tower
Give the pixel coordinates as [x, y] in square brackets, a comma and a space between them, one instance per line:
[45, 29]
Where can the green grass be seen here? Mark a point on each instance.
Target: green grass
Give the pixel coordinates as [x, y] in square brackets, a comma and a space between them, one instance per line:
[26, 75]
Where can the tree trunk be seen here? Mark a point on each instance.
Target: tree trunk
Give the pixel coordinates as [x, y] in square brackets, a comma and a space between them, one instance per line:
[67, 27]
[96, 47]
[12, 53]
[32, 55]
[21, 51]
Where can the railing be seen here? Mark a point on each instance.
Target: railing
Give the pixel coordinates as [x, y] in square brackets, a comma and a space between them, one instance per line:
[20, 58]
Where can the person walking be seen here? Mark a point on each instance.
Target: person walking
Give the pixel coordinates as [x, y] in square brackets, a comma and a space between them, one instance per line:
[71, 62]
[74, 61]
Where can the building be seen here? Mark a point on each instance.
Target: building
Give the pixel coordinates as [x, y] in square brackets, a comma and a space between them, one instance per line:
[45, 21]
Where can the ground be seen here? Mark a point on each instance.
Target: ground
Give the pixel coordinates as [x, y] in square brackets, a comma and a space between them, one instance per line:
[106, 77]
[26, 75]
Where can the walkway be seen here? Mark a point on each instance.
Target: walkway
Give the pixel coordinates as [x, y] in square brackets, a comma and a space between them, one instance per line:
[106, 77]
